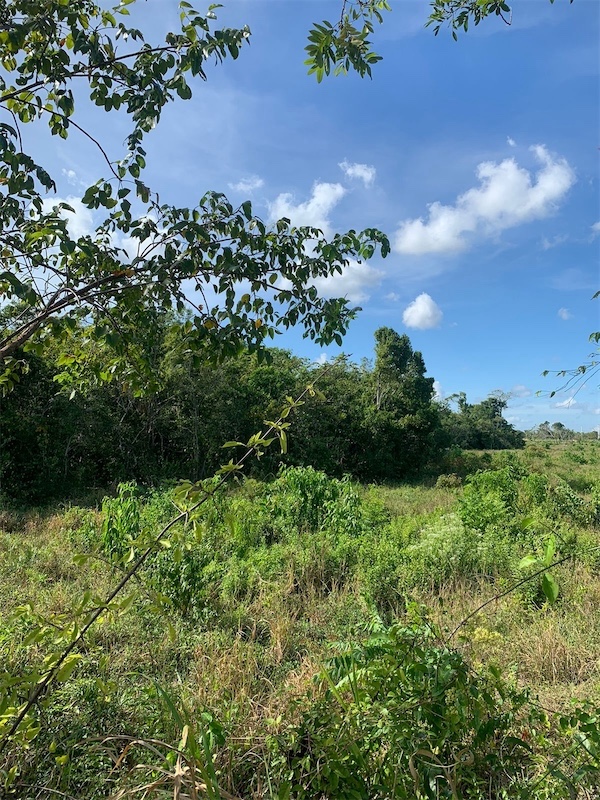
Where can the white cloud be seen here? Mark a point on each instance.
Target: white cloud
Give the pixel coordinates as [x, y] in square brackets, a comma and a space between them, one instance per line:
[72, 177]
[595, 229]
[357, 278]
[555, 241]
[360, 171]
[422, 313]
[511, 142]
[564, 313]
[508, 195]
[520, 391]
[354, 283]
[568, 403]
[393, 296]
[314, 212]
[322, 359]
[80, 221]
[438, 392]
[248, 184]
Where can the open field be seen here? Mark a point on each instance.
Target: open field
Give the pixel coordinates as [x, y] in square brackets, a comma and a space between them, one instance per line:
[229, 626]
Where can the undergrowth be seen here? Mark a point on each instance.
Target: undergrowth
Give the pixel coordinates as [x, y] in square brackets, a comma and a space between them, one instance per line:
[281, 647]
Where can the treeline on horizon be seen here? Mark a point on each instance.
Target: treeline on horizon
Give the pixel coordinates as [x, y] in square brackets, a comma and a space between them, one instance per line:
[70, 425]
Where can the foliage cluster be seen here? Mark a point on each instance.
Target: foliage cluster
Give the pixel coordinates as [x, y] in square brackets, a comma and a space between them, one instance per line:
[404, 716]
[479, 426]
[374, 422]
[263, 275]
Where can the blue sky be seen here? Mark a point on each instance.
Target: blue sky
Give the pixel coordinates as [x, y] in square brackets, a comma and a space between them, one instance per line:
[479, 159]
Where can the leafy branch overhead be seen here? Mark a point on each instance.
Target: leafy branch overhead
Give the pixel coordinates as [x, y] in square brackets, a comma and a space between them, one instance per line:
[345, 45]
[237, 280]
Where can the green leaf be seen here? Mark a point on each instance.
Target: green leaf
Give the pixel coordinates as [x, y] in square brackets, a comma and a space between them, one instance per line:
[550, 587]
[69, 664]
[550, 551]
[526, 523]
[528, 561]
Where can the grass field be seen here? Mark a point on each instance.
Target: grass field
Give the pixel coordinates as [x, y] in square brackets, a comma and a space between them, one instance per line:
[311, 638]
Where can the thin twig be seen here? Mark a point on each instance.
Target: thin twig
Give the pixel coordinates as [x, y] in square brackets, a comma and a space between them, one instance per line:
[511, 589]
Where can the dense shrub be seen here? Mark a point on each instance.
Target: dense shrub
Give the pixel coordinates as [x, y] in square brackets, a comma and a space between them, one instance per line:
[404, 716]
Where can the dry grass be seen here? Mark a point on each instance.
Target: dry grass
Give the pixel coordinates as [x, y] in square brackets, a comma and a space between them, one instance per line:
[553, 650]
[411, 501]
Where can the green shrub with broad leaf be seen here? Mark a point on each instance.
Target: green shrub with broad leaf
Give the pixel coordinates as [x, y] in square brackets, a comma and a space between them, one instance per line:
[405, 716]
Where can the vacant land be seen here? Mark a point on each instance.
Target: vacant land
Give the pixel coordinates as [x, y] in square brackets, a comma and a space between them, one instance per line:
[314, 638]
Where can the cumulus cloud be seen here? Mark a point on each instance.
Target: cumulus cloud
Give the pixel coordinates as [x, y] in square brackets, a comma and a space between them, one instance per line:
[357, 278]
[510, 141]
[564, 313]
[314, 212]
[438, 392]
[568, 403]
[80, 221]
[507, 195]
[248, 184]
[359, 171]
[355, 282]
[322, 359]
[422, 313]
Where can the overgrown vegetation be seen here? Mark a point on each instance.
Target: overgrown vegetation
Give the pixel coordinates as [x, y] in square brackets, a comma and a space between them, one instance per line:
[371, 421]
[278, 642]
[293, 651]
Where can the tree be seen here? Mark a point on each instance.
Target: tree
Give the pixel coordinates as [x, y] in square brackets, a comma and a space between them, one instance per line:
[402, 416]
[479, 426]
[401, 385]
[263, 276]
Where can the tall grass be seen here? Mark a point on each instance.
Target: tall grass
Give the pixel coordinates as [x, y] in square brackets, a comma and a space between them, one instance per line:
[279, 578]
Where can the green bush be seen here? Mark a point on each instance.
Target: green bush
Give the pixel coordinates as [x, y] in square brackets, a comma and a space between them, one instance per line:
[490, 500]
[533, 491]
[303, 528]
[404, 716]
[448, 481]
[82, 529]
[381, 564]
[565, 502]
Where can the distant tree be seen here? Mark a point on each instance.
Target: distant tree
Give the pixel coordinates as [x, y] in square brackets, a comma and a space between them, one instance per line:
[402, 415]
[480, 426]
[556, 430]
